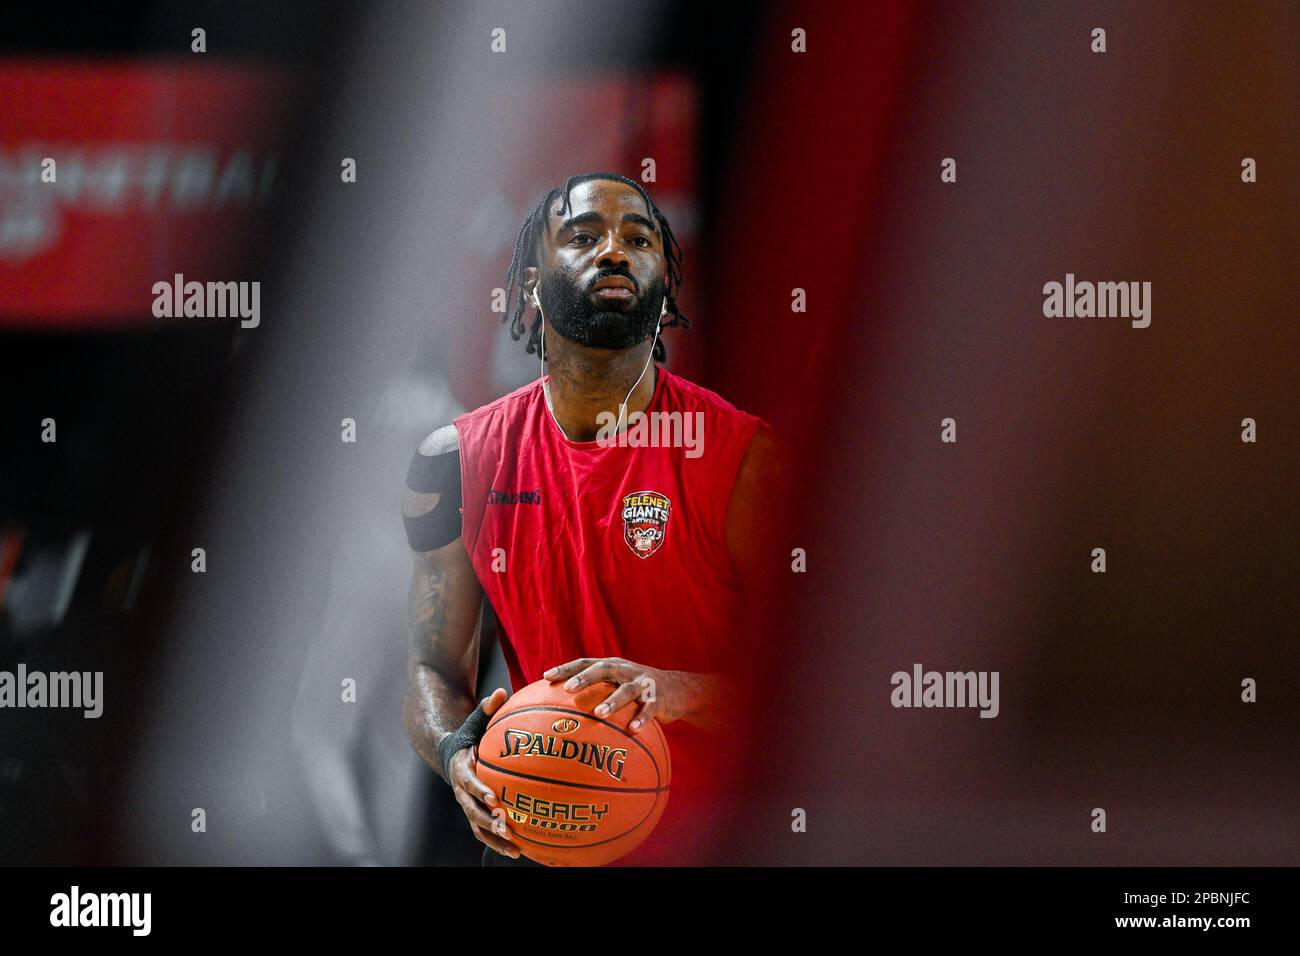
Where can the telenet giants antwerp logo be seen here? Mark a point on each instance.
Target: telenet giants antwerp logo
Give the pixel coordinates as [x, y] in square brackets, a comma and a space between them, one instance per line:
[645, 521]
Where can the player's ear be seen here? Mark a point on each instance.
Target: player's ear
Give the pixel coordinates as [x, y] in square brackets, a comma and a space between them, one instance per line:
[531, 276]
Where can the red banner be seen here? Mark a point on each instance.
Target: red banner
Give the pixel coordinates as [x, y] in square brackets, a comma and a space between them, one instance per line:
[114, 176]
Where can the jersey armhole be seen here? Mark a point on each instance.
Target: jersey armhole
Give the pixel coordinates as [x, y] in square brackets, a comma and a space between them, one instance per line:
[464, 536]
[751, 430]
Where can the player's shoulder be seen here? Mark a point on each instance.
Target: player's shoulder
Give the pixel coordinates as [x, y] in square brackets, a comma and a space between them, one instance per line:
[434, 469]
[696, 396]
[751, 435]
[506, 404]
[441, 441]
[448, 438]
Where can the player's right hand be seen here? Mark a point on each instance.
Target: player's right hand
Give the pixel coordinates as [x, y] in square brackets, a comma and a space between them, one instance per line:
[486, 818]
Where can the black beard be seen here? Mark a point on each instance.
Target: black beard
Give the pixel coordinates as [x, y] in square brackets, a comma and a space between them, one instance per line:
[572, 314]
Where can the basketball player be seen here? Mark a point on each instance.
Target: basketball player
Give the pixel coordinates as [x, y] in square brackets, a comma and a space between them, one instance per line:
[603, 562]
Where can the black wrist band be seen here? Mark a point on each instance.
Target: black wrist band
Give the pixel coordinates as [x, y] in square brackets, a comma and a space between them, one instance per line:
[467, 734]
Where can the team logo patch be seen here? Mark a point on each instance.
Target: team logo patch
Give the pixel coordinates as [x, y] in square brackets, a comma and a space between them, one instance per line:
[645, 521]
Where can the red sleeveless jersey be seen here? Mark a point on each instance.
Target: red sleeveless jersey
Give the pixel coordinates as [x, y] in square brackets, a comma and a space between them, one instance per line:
[614, 552]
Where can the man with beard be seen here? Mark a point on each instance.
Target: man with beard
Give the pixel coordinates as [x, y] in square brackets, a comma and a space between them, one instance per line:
[603, 561]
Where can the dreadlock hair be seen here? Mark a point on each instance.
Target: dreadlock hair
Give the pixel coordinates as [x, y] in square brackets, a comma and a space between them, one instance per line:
[526, 245]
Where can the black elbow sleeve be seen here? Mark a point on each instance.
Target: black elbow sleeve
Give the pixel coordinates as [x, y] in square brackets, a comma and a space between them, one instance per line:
[428, 474]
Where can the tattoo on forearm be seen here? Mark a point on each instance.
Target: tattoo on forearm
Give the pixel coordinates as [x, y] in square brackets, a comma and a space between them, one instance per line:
[427, 608]
[434, 706]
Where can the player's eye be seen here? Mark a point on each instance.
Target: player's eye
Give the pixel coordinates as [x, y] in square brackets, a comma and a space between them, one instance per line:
[644, 242]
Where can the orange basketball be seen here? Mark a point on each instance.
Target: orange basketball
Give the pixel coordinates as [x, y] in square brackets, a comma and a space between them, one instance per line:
[578, 790]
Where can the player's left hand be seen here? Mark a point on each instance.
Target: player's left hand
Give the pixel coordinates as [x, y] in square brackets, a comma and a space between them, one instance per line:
[658, 691]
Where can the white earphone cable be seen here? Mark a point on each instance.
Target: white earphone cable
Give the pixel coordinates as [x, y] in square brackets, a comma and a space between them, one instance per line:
[541, 358]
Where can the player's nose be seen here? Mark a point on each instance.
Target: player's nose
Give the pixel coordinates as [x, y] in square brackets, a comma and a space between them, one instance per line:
[611, 253]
